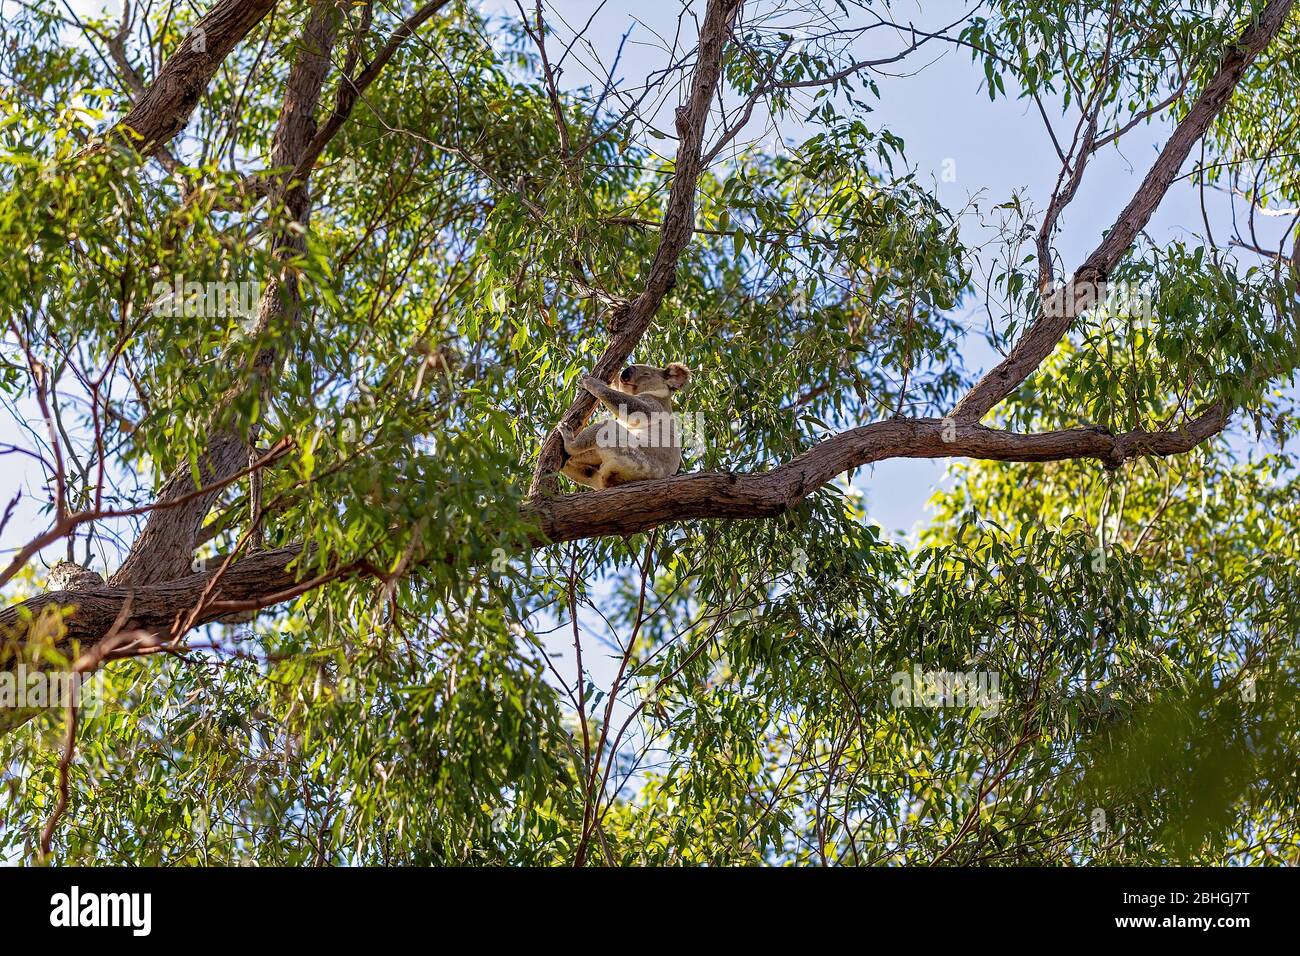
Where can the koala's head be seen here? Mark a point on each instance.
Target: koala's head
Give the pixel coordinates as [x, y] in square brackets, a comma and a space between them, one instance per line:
[651, 380]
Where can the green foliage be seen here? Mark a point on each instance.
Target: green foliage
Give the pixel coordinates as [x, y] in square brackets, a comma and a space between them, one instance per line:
[1140, 625]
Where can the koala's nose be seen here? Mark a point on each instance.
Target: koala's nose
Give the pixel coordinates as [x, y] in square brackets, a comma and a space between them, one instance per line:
[626, 374]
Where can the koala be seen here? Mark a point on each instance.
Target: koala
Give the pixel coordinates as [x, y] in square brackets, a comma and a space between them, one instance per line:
[641, 442]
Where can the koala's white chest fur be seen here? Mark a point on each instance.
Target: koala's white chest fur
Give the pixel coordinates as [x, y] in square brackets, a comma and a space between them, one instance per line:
[631, 429]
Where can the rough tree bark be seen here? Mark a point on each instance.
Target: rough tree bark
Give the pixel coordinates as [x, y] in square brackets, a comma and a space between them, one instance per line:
[166, 106]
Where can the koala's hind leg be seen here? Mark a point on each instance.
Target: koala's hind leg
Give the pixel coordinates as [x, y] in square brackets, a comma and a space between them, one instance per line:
[584, 471]
[622, 468]
[583, 456]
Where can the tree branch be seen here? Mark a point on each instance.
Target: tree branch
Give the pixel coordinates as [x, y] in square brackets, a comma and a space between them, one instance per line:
[1062, 306]
[350, 89]
[266, 578]
[165, 107]
[165, 547]
[679, 225]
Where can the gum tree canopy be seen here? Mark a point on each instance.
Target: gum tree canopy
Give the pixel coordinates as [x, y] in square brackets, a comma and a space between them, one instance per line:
[295, 294]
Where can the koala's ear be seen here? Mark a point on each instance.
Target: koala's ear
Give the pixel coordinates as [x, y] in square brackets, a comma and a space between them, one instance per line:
[676, 375]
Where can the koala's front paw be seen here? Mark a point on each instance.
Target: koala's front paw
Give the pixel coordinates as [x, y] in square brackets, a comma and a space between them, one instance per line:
[591, 383]
[566, 434]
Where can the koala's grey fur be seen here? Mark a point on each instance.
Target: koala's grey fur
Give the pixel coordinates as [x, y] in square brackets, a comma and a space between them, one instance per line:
[642, 441]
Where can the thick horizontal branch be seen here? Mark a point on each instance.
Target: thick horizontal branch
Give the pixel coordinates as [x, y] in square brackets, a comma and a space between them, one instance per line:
[155, 608]
[644, 505]
[263, 579]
